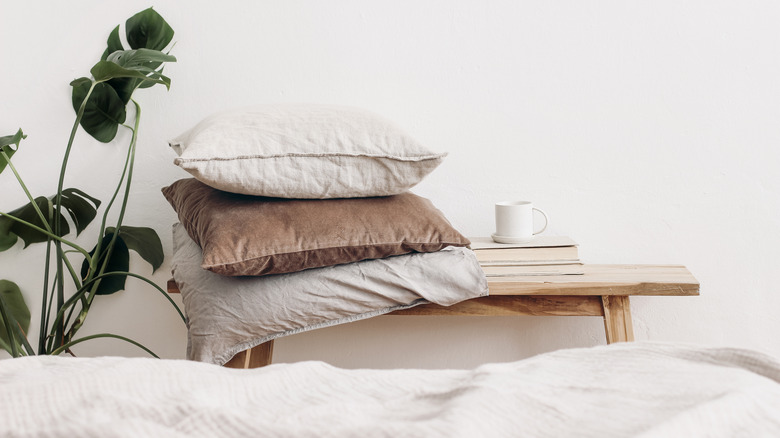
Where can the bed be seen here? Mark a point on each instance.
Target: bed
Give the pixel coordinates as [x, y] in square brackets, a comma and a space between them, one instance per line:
[626, 389]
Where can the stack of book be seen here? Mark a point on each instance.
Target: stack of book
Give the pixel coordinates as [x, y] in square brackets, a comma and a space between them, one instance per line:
[544, 255]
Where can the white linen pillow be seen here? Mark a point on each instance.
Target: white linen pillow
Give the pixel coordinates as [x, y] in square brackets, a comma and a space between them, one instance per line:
[226, 315]
[303, 151]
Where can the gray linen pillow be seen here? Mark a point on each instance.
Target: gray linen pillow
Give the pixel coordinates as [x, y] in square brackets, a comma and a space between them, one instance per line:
[251, 235]
[226, 315]
[303, 151]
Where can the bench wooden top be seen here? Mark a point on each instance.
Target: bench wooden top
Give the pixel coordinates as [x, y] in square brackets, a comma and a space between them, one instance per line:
[603, 280]
[599, 280]
[596, 290]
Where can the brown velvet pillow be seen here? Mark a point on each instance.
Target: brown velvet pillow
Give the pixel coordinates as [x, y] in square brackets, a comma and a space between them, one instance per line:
[252, 235]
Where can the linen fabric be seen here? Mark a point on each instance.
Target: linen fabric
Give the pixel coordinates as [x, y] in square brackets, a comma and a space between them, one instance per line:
[621, 390]
[303, 151]
[249, 235]
[226, 315]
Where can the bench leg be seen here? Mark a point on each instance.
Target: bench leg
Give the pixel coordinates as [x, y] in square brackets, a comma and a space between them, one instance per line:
[255, 357]
[617, 318]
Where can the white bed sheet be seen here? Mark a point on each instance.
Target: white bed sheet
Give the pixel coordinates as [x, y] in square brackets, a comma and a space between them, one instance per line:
[646, 390]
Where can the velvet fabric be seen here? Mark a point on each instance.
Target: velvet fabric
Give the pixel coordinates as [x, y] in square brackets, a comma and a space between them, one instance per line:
[251, 235]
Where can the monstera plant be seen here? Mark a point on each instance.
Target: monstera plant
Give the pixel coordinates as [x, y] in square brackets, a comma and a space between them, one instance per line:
[103, 104]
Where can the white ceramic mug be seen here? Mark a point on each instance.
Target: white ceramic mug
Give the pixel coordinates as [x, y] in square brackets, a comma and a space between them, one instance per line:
[515, 222]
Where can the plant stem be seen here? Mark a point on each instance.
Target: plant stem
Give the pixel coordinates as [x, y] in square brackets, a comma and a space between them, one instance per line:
[37, 209]
[51, 235]
[73, 274]
[111, 203]
[60, 329]
[70, 303]
[128, 172]
[45, 301]
[77, 283]
[72, 306]
[45, 222]
[146, 280]
[73, 131]
[23, 338]
[64, 347]
[50, 327]
[80, 293]
[7, 322]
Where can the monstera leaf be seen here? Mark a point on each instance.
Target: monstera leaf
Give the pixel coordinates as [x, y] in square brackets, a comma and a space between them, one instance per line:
[7, 237]
[81, 208]
[7, 144]
[147, 29]
[144, 30]
[12, 307]
[127, 69]
[113, 43]
[118, 261]
[142, 240]
[100, 102]
[104, 111]
[120, 72]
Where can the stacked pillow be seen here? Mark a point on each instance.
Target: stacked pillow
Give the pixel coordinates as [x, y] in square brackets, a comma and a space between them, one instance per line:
[303, 151]
[284, 188]
[317, 195]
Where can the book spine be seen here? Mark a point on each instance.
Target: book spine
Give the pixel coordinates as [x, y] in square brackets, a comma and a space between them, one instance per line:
[531, 263]
[527, 254]
[522, 271]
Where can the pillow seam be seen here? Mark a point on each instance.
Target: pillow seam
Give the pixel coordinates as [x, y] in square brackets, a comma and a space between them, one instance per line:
[320, 155]
[205, 266]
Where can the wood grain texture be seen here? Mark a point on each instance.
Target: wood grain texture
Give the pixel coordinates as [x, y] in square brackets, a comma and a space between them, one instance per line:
[255, 357]
[598, 280]
[513, 305]
[603, 280]
[617, 319]
[603, 290]
[239, 360]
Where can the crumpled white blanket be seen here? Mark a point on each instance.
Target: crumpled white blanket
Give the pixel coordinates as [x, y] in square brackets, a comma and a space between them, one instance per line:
[646, 390]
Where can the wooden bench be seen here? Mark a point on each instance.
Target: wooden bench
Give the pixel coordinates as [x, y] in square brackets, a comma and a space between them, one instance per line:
[602, 290]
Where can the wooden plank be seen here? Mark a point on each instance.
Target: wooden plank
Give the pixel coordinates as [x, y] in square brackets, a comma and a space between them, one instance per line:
[513, 305]
[617, 319]
[239, 360]
[262, 355]
[597, 280]
[603, 280]
[255, 357]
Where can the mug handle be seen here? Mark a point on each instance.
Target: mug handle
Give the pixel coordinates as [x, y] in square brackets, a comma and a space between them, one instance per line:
[546, 220]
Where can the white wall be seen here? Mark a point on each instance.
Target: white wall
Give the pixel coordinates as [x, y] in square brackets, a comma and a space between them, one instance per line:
[647, 130]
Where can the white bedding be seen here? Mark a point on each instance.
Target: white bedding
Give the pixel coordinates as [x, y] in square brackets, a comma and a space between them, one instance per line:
[645, 390]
